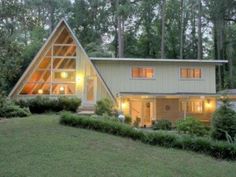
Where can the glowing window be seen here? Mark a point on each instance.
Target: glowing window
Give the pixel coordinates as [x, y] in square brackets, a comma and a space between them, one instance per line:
[190, 73]
[192, 106]
[140, 72]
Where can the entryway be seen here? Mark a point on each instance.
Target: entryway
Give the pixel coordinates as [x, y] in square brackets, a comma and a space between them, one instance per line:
[90, 90]
[142, 110]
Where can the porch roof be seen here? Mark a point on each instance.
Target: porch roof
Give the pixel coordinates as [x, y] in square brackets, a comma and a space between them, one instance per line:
[166, 94]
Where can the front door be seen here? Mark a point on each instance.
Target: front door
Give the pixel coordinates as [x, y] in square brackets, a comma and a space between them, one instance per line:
[147, 113]
[90, 90]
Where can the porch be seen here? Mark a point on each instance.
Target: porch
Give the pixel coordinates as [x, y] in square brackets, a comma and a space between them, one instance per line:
[146, 109]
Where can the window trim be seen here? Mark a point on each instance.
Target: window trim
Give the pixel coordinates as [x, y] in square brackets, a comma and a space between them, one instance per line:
[142, 78]
[192, 78]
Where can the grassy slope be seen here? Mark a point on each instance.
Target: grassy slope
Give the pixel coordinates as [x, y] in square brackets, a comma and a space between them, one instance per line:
[39, 146]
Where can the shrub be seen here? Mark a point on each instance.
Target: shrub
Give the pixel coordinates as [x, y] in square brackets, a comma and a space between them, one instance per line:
[128, 119]
[104, 106]
[69, 104]
[137, 122]
[216, 149]
[191, 126]
[224, 122]
[41, 104]
[162, 125]
[10, 109]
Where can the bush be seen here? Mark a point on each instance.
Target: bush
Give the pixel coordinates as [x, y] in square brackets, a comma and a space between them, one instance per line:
[128, 119]
[216, 149]
[42, 104]
[104, 106]
[224, 122]
[191, 126]
[137, 122]
[162, 125]
[10, 109]
[69, 104]
[102, 125]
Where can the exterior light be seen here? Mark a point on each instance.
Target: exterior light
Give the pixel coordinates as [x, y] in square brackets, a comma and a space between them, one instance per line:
[124, 105]
[64, 75]
[40, 91]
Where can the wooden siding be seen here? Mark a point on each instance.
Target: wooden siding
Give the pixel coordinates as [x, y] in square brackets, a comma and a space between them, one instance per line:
[117, 75]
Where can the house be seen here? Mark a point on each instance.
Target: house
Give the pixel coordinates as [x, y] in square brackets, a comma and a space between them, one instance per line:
[146, 89]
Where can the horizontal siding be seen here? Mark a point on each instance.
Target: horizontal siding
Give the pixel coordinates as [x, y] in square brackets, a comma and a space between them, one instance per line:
[117, 76]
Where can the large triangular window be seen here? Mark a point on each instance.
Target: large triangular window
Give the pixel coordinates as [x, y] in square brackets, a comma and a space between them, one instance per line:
[55, 71]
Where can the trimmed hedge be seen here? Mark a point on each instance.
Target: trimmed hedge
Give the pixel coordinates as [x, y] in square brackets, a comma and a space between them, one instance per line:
[9, 109]
[217, 149]
[162, 125]
[42, 104]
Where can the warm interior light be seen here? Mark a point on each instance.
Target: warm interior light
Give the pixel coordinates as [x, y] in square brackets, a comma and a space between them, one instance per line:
[124, 105]
[208, 104]
[62, 88]
[64, 75]
[78, 79]
[40, 91]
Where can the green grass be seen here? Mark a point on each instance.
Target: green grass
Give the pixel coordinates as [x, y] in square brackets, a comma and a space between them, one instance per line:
[39, 146]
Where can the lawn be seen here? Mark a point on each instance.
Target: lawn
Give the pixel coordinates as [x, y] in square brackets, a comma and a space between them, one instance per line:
[38, 146]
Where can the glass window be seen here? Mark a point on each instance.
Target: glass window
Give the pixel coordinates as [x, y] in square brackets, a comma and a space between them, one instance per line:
[64, 63]
[63, 89]
[192, 106]
[36, 88]
[192, 73]
[138, 72]
[64, 76]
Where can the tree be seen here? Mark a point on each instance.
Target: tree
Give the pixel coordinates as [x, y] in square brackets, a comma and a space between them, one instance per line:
[163, 14]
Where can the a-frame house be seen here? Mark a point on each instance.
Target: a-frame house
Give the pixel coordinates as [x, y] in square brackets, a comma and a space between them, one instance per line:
[62, 67]
[147, 89]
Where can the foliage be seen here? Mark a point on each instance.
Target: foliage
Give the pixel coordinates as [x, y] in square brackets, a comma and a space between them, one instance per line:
[216, 149]
[137, 122]
[103, 125]
[191, 126]
[42, 104]
[128, 119]
[224, 122]
[9, 109]
[162, 125]
[104, 106]
[69, 104]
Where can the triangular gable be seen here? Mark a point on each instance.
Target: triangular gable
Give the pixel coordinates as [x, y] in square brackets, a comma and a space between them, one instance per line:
[37, 70]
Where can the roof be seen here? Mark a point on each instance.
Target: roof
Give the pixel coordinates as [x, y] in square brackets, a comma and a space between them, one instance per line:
[228, 92]
[165, 94]
[160, 60]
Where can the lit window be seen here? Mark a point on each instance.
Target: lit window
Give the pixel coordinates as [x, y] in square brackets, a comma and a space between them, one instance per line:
[190, 73]
[146, 73]
[192, 106]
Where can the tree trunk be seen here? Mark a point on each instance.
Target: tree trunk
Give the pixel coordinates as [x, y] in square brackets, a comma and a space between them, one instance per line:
[163, 29]
[199, 46]
[120, 24]
[181, 28]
